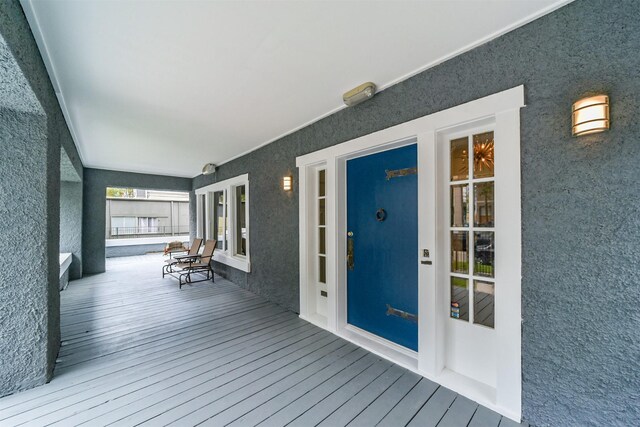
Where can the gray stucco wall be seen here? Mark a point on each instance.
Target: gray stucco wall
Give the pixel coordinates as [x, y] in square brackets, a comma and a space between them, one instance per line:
[31, 157]
[24, 292]
[71, 225]
[581, 222]
[95, 183]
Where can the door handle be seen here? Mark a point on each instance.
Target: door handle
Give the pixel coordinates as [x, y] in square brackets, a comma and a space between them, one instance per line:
[427, 262]
[350, 260]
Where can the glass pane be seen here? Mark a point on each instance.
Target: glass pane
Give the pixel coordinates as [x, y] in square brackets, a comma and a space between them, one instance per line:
[241, 220]
[321, 239]
[322, 276]
[483, 254]
[206, 223]
[483, 303]
[226, 223]
[460, 205]
[218, 224]
[483, 204]
[321, 212]
[321, 183]
[460, 298]
[459, 252]
[459, 159]
[483, 155]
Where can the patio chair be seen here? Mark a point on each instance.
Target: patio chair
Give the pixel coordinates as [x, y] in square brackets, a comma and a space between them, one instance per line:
[173, 260]
[196, 264]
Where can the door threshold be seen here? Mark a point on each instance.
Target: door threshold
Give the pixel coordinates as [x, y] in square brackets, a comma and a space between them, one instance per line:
[381, 347]
[475, 390]
[316, 319]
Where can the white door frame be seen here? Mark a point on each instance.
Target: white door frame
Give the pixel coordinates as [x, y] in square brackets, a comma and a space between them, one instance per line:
[503, 110]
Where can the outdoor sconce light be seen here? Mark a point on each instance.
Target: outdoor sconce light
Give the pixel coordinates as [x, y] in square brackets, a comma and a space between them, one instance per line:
[359, 94]
[287, 183]
[590, 115]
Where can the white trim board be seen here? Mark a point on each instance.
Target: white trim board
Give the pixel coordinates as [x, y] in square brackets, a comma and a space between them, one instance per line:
[225, 256]
[501, 109]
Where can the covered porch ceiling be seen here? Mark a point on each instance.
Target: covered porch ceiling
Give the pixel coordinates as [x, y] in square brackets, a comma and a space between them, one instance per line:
[164, 87]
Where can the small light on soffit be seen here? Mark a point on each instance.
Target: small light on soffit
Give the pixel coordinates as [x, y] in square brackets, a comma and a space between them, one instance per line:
[287, 183]
[208, 169]
[590, 115]
[359, 94]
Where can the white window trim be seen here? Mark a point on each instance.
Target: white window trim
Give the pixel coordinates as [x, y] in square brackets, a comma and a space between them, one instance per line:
[225, 255]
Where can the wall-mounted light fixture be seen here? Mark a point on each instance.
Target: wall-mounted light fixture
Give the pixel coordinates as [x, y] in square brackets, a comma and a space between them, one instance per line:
[208, 169]
[590, 115]
[287, 183]
[359, 94]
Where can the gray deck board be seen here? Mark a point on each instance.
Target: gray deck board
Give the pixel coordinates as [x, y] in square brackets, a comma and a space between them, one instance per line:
[341, 396]
[405, 410]
[377, 410]
[266, 409]
[459, 413]
[362, 399]
[434, 409]
[484, 417]
[231, 413]
[308, 400]
[137, 350]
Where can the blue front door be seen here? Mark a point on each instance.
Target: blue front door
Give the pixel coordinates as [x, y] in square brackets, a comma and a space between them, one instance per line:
[382, 245]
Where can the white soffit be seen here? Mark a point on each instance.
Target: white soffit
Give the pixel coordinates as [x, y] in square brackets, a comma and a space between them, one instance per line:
[166, 86]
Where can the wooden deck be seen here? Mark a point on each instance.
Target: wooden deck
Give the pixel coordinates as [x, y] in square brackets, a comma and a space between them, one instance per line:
[137, 350]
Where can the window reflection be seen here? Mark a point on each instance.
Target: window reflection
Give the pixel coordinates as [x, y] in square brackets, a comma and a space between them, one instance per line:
[459, 159]
[483, 155]
[321, 213]
[483, 303]
[241, 221]
[323, 270]
[459, 252]
[460, 298]
[460, 205]
[321, 183]
[483, 255]
[218, 216]
[483, 204]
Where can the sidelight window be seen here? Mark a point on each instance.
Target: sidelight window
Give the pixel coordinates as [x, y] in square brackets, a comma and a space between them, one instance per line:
[472, 233]
[322, 235]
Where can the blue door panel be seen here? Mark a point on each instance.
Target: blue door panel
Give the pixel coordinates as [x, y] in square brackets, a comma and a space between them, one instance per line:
[385, 252]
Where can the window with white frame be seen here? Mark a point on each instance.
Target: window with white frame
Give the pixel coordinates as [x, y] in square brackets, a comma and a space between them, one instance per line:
[223, 216]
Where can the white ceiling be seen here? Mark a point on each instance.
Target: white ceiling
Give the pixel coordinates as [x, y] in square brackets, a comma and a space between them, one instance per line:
[166, 86]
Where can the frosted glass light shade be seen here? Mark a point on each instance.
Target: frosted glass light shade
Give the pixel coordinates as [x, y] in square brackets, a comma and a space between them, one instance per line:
[287, 183]
[590, 115]
[359, 94]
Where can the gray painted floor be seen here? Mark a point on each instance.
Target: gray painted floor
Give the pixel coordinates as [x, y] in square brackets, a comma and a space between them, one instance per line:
[137, 350]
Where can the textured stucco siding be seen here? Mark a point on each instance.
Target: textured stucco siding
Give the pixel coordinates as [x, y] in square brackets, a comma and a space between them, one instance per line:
[580, 204]
[95, 183]
[24, 289]
[71, 225]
